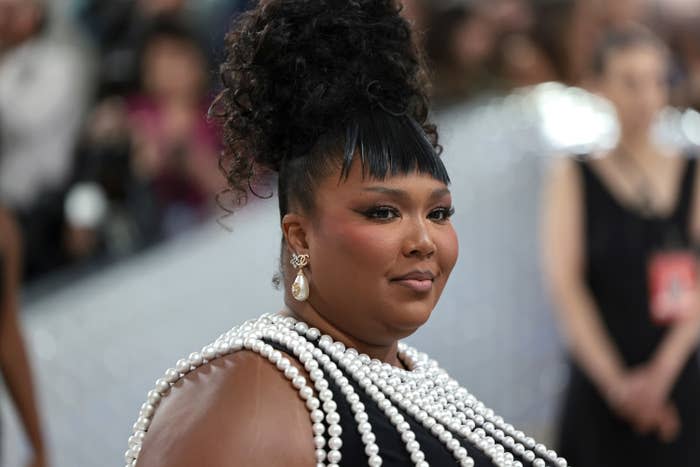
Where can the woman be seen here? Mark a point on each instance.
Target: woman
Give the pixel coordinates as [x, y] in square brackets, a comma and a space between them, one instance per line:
[14, 363]
[329, 95]
[615, 228]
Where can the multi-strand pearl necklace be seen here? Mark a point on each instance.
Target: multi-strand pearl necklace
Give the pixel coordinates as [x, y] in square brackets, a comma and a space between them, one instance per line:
[424, 391]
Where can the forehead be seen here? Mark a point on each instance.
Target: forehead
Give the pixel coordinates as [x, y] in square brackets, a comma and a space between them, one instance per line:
[358, 181]
[635, 57]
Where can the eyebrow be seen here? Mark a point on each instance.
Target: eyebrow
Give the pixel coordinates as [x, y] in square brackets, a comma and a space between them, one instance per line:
[401, 194]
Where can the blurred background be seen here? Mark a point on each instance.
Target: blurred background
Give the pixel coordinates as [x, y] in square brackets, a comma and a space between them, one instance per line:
[109, 167]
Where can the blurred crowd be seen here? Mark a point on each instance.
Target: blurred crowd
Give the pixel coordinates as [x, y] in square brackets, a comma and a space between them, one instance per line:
[496, 45]
[105, 147]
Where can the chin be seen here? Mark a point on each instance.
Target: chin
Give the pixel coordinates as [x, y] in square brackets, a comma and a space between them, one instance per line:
[408, 318]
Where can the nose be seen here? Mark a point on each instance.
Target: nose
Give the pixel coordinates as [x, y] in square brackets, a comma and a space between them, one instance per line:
[419, 241]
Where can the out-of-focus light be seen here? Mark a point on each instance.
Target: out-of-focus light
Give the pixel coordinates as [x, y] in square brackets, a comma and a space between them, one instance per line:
[690, 124]
[574, 120]
[86, 205]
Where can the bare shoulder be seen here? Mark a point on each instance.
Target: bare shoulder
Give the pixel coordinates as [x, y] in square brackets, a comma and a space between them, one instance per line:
[563, 178]
[238, 410]
[564, 168]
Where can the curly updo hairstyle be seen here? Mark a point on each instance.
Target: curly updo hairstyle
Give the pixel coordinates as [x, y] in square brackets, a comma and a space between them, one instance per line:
[311, 84]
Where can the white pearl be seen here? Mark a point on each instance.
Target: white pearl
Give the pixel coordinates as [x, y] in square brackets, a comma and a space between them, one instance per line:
[162, 386]
[171, 375]
[335, 430]
[316, 416]
[318, 428]
[195, 359]
[319, 442]
[335, 443]
[283, 363]
[291, 372]
[182, 365]
[154, 397]
[374, 461]
[208, 352]
[368, 437]
[333, 456]
[299, 382]
[312, 403]
[371, 449]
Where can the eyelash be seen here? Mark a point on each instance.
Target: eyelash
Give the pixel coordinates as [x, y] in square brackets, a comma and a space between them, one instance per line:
[373, 213]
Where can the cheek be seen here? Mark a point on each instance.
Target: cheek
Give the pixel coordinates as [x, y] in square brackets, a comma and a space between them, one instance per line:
[448, 248]
[358, 247]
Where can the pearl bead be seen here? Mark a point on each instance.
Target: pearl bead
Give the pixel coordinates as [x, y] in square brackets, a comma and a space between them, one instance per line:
[299, 382]
[335, 430]
[306, 392]
[333, 457]
[335, 443]
[162, 386]
[368, 438]
[208, 352]
[283, 363]
[182, 365]
[171, 375]
[317, 416]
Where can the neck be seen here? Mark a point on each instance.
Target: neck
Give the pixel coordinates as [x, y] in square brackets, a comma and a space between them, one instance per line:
[637, 145]
[305, 312]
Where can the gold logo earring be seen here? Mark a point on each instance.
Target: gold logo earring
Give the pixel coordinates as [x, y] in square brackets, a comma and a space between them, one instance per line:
[300, 287]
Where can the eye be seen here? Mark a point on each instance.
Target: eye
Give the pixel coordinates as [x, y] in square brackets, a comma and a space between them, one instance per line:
[382, 213]
[441, 214]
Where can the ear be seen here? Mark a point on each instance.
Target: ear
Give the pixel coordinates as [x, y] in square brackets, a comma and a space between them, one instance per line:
[295, 229]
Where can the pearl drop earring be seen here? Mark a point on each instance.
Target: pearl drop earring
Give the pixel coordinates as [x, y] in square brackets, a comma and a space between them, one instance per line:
[300, 287]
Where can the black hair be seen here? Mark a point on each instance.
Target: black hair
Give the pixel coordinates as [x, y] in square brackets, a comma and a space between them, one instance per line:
[311, 85]
[627, 37]
[553, 22]
[444, 24]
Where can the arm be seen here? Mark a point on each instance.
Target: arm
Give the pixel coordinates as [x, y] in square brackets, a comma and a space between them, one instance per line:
[562, 235]
[14, 362]
[238, 410]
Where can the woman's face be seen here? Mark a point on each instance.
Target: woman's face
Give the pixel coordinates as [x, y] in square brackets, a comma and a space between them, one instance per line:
[380, 253]
[635, 81]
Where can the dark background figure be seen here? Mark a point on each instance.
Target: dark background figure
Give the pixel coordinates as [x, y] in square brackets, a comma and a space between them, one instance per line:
[43, 95]
[632, 392]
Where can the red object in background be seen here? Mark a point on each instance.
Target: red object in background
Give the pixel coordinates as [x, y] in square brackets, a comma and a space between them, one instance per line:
[672, 286]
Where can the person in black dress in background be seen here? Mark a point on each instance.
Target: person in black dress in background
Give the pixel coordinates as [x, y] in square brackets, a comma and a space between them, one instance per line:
[14, 363]
[632, 396]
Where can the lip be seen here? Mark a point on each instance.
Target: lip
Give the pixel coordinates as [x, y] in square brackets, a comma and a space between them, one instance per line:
[418, 281]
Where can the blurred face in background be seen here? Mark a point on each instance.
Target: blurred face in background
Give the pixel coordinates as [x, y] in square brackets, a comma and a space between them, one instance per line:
[19, 21]
[473, 41]
[621, 12]
[173, 69]
[159, 7]
[635, 80]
